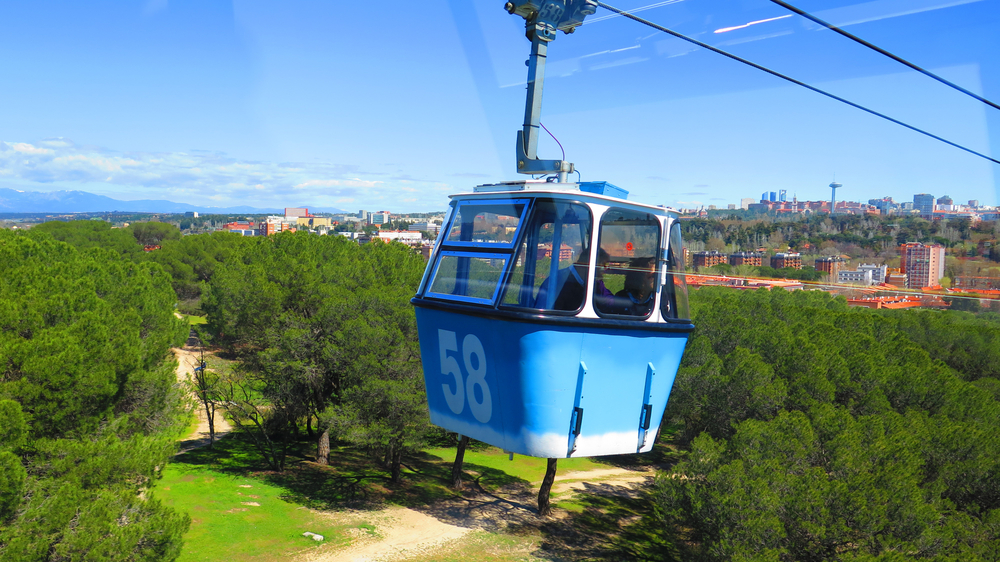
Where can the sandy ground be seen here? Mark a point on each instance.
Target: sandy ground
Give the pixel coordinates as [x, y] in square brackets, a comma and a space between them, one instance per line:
[188, 357]
[401, 533]
[404, 533]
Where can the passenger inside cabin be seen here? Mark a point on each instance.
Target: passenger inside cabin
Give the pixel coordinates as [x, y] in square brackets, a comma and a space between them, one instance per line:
[571, 283]
[638, 296]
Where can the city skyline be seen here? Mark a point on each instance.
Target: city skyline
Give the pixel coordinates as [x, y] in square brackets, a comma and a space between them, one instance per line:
[254, 104]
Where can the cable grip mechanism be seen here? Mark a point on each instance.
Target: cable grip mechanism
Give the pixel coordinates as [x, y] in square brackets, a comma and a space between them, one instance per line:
[542, 18]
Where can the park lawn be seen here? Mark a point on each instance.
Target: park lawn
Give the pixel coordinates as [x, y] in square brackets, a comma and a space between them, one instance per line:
[223, 527]
[195, 320]
[528, 469]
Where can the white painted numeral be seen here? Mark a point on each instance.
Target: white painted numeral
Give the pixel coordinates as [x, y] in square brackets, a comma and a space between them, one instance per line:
[474, 357]
[449, 366]
[477, 378]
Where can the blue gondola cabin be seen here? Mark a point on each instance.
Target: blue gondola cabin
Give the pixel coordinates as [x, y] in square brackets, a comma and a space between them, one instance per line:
[552, 318]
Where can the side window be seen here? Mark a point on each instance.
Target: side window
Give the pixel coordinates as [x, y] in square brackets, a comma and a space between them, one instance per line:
[674, 302]
[627, 250]
[486, 224]
[467, 276]
[550, 267]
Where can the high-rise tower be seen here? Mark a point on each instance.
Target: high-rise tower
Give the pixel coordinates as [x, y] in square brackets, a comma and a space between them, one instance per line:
[833, 197]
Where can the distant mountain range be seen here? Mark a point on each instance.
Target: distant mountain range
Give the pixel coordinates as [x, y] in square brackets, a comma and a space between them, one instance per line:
[16, 201]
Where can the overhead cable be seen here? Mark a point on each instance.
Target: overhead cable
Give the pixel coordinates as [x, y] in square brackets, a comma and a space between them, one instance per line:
[789, 79]
[880, 50]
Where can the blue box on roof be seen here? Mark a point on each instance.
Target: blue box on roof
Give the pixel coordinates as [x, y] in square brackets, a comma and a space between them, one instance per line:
[604, 188]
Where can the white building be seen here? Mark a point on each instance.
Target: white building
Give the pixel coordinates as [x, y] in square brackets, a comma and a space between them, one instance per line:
[861, 277]
[426, 226]
[404, 236]
[878, 272]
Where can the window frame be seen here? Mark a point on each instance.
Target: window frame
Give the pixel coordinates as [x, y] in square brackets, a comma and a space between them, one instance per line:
[657, 291]
[457, 214]
[429, 293]
[519, 242]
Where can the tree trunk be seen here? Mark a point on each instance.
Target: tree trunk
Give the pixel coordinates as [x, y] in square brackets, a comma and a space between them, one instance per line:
[323, 448]
[543, 494]
[210, 414]
[309, 426]
[456, 469]
[397, 464]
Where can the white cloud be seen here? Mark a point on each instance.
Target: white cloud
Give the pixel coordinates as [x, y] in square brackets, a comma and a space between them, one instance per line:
[355, 182]
[202, 176]
[56, 143]
[26, 148]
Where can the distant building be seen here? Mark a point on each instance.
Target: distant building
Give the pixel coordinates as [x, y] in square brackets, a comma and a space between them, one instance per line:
[404, 236]
[363, 215]
[830, 265]
[193, 214]
[731, 206]
[860, 277]
[879, 272]
[275, 224]
[708, 259]
[381, 217]
[295, 212]
[922, 264]
[746, 202]
[924, 204]
[746, 258]
[973, 203]
[314, 222]
[238, 226]
[545, 251]
[781, 260]
[945, 200]
[426, 226]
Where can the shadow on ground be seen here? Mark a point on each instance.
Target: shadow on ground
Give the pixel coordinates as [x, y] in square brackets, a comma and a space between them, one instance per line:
[613, 522]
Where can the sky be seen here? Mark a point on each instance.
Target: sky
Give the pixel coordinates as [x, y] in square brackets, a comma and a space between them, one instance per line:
[393, 106]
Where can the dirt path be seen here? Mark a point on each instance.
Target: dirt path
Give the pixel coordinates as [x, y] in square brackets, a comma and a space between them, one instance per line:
[401, 533]
[404, 533]
[189, 357]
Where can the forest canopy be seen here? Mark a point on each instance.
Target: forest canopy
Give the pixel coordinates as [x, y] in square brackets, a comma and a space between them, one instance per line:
[815, 431]
[87, 401]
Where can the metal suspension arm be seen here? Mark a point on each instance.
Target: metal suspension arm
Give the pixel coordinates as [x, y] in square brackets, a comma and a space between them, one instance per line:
[542, 19]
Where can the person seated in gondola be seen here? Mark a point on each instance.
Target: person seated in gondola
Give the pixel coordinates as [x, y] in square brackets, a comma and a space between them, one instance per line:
[638, 296]
[570, 284]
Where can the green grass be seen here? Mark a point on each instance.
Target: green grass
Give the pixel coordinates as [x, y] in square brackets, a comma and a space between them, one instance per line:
[205, 483]
[224, 528]
[527, 469]
[195, 320]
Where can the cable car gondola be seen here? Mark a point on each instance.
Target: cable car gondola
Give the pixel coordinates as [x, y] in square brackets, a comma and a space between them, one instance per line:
[552, 315]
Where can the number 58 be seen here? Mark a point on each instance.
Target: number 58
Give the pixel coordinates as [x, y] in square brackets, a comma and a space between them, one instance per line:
[471, 346]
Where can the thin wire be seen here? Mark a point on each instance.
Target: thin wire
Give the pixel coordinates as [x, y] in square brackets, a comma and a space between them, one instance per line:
[555, 139]
[857, 39]
[790, 79]
[633, 10]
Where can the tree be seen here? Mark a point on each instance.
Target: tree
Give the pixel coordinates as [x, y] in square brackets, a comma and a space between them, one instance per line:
[877, 448]
[87, 403]
[456, 467]
[154, 233]
[325, 328]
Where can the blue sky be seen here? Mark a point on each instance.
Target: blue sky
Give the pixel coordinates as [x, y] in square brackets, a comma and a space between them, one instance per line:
[334, 104]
